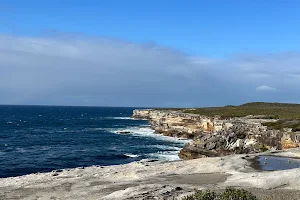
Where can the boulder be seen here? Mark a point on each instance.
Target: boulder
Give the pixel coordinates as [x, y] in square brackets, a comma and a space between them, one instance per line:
[210, 145]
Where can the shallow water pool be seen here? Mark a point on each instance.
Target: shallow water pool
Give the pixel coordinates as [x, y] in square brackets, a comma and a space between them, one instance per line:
[274, 163]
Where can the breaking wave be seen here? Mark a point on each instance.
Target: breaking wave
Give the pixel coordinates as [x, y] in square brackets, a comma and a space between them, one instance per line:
[163, 152]
[116, 156]
[145, 131]
[118, 118]
[165, 155]
[131, 155]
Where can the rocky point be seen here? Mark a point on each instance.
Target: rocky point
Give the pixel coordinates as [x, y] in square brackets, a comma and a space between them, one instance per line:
[212, 136]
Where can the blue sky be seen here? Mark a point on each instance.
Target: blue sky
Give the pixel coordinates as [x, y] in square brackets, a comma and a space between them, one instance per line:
[212, 28]
[240, 50]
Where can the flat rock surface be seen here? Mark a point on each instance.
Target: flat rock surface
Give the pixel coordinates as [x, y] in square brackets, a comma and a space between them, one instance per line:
[155, 180]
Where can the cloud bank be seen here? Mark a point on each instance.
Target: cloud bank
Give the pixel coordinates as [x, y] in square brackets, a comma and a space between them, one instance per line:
[69, 70]
[265, 88]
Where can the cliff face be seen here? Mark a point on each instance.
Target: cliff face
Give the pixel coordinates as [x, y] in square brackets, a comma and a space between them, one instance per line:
[179, 124]
[212, 136]
[142, 114]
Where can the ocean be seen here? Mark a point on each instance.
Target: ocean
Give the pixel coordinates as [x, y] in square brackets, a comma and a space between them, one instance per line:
[45, 138]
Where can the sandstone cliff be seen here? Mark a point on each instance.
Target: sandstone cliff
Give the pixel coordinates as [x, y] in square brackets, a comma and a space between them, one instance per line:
[212, 136]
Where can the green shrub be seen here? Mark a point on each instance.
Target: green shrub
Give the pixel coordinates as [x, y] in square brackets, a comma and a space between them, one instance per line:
[237, 194]
[265, 110]
[202, 195]
[228, 194]
[284, 123]
[296, 129]
[263, 148]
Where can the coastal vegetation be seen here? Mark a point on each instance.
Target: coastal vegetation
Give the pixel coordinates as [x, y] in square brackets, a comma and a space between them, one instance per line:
[294, 124]
[227, 194]
[287, 115]
[259, 109]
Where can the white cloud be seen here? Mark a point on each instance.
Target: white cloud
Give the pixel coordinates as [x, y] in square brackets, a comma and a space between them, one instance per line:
[265, 88]
[99, 71]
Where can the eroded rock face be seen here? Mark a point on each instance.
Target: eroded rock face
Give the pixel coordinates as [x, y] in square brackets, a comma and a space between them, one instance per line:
[175, 123]
[241, 138]
[214, 137]
[217, 144]
[142, 114]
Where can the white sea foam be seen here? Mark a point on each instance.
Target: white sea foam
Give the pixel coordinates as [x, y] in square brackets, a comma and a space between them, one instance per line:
[144, 119]
[167, 152]
[148, 132]
[147, 125]
[131, 155]
[20, 150]
[164, 147]
[165, 155]
[45, 148]
[94, 129]
[118, 118]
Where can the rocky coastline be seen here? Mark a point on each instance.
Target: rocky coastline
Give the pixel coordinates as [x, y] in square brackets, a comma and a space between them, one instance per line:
[234, 139]
[213, 136]
[156, 180]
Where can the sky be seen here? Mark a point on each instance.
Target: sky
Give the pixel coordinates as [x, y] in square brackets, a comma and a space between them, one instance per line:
[149, 53]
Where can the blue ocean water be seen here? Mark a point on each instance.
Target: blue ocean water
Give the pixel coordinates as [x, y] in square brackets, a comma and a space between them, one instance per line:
[43, 138]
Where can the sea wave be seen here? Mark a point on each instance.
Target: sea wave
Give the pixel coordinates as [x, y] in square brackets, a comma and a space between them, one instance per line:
[165, 147]
[131, 155]
[20, 150]
[164, 155]
[146, 125]
[165, 152]
[118, 118]
[116, 156]
[147, 132]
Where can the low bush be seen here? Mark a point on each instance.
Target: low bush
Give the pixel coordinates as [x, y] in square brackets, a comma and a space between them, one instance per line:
[284, 123]
[228, 194]
[261, 109]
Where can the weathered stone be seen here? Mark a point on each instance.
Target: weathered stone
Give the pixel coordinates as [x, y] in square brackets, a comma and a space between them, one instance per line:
[210, 145]
[215, 137]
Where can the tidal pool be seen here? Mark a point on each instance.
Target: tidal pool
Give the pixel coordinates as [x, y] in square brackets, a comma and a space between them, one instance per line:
[274, 163]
